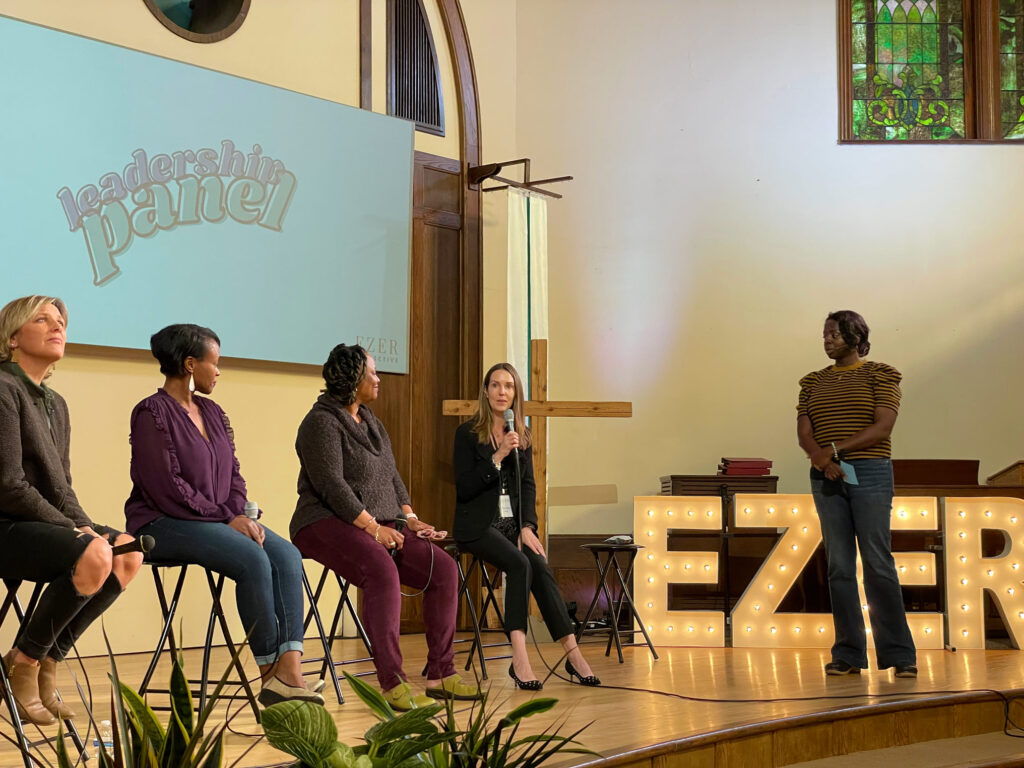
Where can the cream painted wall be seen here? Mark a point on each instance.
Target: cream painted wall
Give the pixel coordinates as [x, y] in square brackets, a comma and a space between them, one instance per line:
[492, 38]
[714, 221]
[315, 51]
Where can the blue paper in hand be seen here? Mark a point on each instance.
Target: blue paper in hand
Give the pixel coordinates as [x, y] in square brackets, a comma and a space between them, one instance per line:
[850, 472]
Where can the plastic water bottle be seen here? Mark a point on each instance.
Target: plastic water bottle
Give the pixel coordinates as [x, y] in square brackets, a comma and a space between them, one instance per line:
[105, 735]
[252, 510]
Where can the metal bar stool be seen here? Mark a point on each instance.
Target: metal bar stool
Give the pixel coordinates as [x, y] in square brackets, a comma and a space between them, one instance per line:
[488, 584]
[215, 582]
[313, 614]
[11, 601]
[623, 573]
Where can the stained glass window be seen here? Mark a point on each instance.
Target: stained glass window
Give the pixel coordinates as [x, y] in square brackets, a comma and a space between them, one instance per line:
[1011, 67]
[908, 69]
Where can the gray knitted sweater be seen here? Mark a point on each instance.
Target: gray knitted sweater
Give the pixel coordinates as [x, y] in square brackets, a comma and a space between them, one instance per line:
[345, 467]
[35, 453]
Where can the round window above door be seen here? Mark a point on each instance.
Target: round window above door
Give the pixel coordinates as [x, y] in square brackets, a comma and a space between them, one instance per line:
[201, 21]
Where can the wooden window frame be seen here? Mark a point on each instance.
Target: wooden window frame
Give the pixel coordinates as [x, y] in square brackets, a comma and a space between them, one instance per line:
[195, 37]
[982, 113]
[434, 130]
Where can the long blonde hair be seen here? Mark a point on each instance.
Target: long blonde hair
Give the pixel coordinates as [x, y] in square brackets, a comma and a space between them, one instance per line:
[18, 312]
[483, 419]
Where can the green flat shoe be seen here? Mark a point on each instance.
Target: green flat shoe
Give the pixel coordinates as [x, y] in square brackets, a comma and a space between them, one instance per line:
[452, 687]
[402, 699]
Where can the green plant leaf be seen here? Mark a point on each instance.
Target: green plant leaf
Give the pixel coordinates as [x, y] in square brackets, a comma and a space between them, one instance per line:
[215, 757]
[371, 697]
[302, 729]
[341, 757]
[63, 760]
[530, 708]
[175, 743]
[118, 720]
[400, 751]
[142, 718]
[181, 696]
[408, 723]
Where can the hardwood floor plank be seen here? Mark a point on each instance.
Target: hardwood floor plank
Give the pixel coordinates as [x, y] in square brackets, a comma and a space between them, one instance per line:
[634, 726]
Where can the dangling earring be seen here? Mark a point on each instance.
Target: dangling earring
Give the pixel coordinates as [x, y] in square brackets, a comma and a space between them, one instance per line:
[191, 383]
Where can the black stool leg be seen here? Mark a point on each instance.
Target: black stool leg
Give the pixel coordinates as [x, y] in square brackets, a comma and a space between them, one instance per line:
[601, 569]
[360, 629]
[22, 615]
[328, 659]
[478, 643]
[625, 595]
[19, 732]
[168, 611]
[218, 611]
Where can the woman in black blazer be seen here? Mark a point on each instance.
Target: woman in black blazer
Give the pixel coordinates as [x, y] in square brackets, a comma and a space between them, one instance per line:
[489, 524]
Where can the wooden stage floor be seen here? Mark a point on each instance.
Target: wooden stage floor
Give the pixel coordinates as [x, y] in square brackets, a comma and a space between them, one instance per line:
[719, 712]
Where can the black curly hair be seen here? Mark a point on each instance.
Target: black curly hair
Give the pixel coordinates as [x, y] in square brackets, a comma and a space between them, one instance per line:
[344, 369]
[171, 345]
[853, 328]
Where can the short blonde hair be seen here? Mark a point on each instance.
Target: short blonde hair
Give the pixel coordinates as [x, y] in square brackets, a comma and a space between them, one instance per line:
[18, 312]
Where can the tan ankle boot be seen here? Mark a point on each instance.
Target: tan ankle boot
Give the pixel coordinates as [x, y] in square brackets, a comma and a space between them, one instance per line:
[24, 680]
[48, 690]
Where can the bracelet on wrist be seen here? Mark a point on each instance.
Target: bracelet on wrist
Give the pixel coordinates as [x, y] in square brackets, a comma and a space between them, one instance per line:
[376, 534]
[411, 516]
[835, 452]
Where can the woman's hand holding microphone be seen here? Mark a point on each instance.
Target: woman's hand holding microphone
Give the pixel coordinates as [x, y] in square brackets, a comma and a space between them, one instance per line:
[509, 442]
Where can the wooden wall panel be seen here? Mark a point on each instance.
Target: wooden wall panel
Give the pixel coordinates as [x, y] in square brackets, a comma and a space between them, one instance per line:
[421, 435]
[804, 743]
[701, 757]
[744, 753]
[861, 733]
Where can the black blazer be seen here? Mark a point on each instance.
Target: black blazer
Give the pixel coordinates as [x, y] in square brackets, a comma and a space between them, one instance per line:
[477, 485]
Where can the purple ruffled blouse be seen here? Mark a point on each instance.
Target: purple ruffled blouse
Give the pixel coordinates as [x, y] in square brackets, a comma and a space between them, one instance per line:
[176, 471]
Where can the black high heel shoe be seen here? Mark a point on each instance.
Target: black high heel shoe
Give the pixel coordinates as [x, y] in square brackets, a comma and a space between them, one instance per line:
[590, 680]
[525, 685]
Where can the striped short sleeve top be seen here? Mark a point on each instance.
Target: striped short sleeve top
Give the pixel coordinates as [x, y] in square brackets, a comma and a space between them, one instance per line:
[841, 400]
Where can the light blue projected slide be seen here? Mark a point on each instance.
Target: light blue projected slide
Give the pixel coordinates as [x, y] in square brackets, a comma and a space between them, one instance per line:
[145, 192]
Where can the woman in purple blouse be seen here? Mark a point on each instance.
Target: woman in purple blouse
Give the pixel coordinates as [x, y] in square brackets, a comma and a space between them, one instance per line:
[189, 495]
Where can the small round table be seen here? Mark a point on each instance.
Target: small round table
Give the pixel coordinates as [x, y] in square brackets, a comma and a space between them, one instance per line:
[623, 572]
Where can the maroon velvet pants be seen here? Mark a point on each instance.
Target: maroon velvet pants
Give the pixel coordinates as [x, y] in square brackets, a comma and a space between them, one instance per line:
[364, 563]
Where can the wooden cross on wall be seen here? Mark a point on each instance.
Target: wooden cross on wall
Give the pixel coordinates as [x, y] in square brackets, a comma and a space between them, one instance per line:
[540, 409]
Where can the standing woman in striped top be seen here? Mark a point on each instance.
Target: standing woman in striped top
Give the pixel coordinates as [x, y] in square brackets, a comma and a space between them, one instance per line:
[845, 415]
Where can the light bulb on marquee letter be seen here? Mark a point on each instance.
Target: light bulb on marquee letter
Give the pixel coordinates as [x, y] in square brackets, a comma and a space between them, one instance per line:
[653, 518]
[757, 607]
[969, 575]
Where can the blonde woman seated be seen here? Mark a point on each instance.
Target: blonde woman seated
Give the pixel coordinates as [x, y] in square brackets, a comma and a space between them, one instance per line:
[45, 535]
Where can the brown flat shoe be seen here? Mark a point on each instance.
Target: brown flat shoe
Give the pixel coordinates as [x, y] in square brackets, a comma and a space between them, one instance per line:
[24, 680]
[48, 690]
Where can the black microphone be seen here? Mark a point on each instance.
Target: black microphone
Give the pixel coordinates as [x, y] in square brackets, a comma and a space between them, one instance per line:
[510, 426]
[142, 544]
[399, 525]
[510, 420]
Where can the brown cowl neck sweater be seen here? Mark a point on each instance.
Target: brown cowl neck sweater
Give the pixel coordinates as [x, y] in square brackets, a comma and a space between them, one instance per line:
[345, 467]
[35, 453]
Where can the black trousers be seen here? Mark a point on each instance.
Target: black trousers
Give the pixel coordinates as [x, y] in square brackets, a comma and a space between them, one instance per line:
[526, 572]
[43, 552]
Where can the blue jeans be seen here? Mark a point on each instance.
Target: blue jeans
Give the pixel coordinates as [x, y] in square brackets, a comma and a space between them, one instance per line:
[852, 517]
[268, 579]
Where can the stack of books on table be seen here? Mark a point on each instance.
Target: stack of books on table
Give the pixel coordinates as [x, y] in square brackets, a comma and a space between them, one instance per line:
[734, 466]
